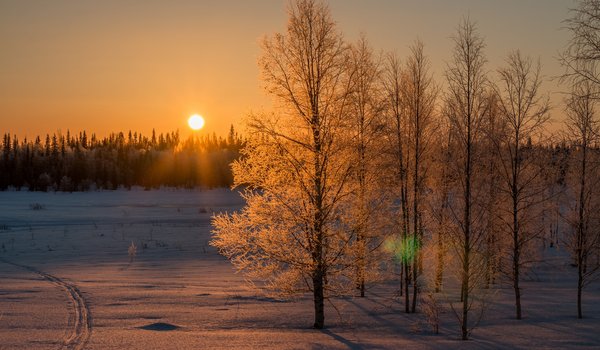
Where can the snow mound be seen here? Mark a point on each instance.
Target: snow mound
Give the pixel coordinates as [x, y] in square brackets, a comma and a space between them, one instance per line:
[160, 327]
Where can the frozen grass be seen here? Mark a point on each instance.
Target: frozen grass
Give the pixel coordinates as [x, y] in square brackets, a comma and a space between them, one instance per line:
[177, 292]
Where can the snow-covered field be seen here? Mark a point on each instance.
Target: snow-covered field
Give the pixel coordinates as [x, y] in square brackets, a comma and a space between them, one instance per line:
[66, 281]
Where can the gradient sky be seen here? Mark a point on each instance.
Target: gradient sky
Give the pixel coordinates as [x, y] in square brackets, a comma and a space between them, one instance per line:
[136, 65]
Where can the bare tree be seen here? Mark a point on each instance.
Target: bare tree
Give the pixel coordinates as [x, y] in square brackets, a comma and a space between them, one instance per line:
[419, 95]
[466, 106]
[393, 82]
[295, 168]
[584, 129]
[583, 48]
[524, 111]
[580, 60]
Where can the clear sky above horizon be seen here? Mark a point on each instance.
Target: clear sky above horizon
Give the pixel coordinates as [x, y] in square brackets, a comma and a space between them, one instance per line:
[112, 65]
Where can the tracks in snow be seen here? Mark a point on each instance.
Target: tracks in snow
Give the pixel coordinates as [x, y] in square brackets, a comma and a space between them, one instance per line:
[82, 320]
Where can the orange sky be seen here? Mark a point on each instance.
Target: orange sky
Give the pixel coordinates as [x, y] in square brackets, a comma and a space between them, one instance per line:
[136, 65]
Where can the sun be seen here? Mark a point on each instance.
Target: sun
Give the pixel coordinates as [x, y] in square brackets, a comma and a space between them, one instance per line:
[196, 122]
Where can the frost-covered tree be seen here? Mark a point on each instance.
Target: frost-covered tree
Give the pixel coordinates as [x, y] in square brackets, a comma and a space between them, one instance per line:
[584, 130]
[364, 132]
[466, 105]
[580, 60]
[410, 98]
[523, 112]
[398, 152]
[419, 95]
[583, 48]
[295, 167]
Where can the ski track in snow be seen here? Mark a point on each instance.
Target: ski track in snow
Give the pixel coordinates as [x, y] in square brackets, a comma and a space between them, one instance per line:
[82, 320]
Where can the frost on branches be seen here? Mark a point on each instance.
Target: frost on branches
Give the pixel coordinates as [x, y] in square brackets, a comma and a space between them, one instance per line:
[295, 168]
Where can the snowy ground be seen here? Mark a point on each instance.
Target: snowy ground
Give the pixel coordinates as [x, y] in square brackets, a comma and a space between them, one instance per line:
[65, 278]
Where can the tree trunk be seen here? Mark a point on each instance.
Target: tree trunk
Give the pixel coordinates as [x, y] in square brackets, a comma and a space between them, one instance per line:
[439, 273]
[516, 250]
[405, 259]
[441, 252]
[363, 226]
[580, 230]
[401, 278]
[579, 290]
[467, 238]
[415, 286]
[360, 264]
[516, 275]
[318, 259]
[416, 240]
[319, 299]
[361, 269]
[465, 299]
[406, 294]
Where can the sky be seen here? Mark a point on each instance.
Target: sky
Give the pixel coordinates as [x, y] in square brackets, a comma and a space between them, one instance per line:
[119, 65]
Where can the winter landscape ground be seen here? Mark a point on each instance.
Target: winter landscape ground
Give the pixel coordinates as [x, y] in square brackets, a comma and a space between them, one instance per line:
[67, 282]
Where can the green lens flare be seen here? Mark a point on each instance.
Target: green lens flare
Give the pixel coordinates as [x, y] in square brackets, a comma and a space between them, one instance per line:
[402, 249]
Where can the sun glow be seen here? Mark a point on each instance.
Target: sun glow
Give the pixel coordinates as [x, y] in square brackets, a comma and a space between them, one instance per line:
[196, 122]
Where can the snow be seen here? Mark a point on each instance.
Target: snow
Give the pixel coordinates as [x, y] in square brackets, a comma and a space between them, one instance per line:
[179, 293]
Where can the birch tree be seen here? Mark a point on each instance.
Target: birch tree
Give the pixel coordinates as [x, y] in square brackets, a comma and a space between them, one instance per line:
[419, 95]
[364, 132]
[584, 129]
[466, 105]
[524, 111]
[583, 48]
[396, 134]
[580, 59]
[290, 234]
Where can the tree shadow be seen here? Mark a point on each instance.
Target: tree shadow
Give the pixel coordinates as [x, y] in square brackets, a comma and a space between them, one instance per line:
[350, 344]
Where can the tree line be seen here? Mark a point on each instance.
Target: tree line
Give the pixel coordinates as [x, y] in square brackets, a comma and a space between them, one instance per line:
[67, 162]
[370, 166]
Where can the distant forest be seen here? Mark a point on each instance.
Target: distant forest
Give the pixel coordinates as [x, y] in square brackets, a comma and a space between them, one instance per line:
[70, 162]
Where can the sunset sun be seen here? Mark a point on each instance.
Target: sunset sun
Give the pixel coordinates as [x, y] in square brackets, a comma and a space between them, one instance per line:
[196, 122]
